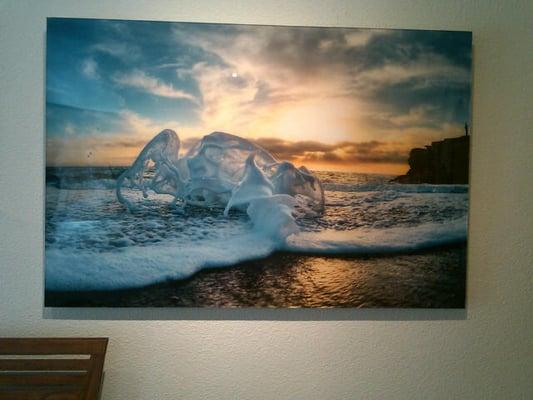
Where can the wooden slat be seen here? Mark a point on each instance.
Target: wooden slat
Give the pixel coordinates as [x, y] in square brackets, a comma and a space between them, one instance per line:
[54, 378]
[95, 377]
[45, 364]
[27, 372]
[53, 345]
[42, 393]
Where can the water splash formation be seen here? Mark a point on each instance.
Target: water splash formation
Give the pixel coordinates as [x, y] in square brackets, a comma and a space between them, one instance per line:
[225, 171]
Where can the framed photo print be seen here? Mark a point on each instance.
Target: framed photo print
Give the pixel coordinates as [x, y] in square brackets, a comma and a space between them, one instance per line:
[223, 165]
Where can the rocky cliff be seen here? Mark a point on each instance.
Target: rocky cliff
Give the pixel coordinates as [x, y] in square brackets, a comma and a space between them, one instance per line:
[443, 162]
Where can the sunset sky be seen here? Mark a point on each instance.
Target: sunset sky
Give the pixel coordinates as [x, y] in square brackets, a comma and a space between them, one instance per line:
[327, 98]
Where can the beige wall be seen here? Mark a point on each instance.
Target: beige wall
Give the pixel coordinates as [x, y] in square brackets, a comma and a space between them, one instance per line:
[482, 353]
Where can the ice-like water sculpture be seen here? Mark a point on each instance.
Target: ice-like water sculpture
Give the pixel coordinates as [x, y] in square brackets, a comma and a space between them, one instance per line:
[221, 170]
[162, 151]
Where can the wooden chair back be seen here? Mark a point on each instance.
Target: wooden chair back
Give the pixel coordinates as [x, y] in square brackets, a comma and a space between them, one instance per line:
[51, 368]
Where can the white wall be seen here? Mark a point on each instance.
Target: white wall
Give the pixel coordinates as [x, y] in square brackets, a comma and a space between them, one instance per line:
[482, 353]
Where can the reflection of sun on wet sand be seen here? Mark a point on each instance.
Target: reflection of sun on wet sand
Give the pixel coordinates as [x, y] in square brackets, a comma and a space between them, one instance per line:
[433, 278]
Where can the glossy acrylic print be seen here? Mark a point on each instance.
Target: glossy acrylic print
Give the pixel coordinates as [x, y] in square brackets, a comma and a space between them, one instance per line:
[217, 165]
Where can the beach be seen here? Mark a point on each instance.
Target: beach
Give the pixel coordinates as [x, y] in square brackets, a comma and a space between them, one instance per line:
[427, 279]
[377, 244]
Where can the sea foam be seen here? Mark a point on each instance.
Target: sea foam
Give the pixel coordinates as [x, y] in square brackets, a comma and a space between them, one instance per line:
[372, 241]
[138, 266]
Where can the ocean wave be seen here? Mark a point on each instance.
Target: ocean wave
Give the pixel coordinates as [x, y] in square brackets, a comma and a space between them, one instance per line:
[134, 266]
[394, 187]
[75, 184]
[372, 241]
[139, 266]
[390, 189]
[97, 246]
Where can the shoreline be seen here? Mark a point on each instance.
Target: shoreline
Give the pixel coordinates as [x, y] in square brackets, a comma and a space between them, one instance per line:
[298, 280]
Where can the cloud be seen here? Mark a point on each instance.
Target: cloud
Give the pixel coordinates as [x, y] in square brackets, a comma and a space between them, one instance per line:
[361, 37]
[140, 80]
[310, 95]
[337, 78]
[117, 138]
[347, 153]
[122, 50]
[89, 68]
[111, 138]
[248, 88]
[427, 71]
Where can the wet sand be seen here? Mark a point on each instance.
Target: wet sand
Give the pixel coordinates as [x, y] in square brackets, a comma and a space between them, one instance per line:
[429, 279]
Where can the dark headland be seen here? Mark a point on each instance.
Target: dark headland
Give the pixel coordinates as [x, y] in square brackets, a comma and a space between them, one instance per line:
[442, 162]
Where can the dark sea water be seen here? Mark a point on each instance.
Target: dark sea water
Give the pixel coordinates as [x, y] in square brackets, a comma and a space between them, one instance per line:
[376, 245]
